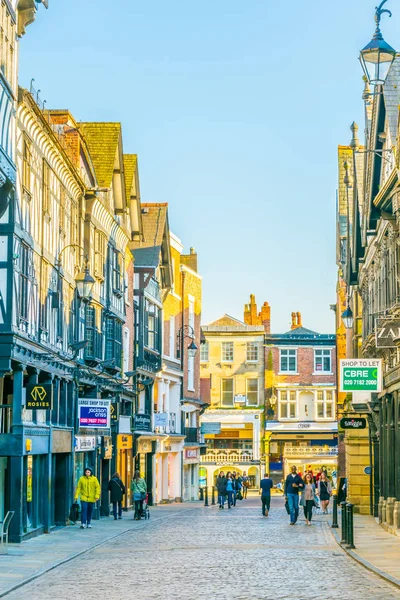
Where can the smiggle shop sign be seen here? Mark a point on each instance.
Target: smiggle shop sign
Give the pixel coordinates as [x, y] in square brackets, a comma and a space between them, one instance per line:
[361, 375]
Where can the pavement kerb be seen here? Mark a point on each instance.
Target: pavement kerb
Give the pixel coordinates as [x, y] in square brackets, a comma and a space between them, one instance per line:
[365, 563]
[68, 559]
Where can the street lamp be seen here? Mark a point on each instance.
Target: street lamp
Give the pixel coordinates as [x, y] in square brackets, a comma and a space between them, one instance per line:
[84, 283]
[377, 56]
[348, 318]
[186, 331]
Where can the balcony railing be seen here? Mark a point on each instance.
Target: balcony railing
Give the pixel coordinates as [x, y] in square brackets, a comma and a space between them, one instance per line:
[192, 434]
[310, 451]
[225, 457]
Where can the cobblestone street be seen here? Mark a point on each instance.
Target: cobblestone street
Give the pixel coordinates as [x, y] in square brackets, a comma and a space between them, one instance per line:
[208, 553]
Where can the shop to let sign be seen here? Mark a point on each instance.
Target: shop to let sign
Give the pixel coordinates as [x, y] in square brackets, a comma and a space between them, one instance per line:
[94, 413]
[360, 375]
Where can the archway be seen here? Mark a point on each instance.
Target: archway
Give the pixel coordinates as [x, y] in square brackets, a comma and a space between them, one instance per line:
[254, 476]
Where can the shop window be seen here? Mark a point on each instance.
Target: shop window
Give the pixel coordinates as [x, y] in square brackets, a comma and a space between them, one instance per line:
[325, 404]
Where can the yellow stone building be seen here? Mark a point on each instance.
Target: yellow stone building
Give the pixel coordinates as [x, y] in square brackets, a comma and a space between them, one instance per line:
[232, 378]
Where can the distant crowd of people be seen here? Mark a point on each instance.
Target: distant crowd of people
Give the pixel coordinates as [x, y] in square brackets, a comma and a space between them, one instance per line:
[231, 487]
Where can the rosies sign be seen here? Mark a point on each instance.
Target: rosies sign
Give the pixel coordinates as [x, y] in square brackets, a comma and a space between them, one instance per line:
[39, 396]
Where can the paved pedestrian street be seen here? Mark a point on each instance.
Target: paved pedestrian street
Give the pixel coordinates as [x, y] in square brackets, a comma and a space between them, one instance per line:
[208, 553]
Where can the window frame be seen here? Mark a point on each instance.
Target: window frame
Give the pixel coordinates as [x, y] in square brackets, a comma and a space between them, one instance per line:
[288, 356]
[285, 398]
[325, 401]
[256, 379]
[252, 346]
[322, 371]
[223, 348]
[205, 351]
[223, 380]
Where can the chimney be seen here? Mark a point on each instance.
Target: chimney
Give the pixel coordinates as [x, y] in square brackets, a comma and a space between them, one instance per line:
[250, 312]
[299, 321]
[294, 321]
[266, 317]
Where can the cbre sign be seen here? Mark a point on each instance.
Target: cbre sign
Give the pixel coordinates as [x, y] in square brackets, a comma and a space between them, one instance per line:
[361, 375]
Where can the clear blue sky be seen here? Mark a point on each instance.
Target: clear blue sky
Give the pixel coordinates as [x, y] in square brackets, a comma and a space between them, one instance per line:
[235, 110]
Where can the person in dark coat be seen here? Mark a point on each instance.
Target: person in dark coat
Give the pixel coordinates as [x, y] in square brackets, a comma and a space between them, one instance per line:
[221, 487]
[117, 491]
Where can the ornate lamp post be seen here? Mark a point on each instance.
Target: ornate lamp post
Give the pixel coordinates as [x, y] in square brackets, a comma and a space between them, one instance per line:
[377, 56]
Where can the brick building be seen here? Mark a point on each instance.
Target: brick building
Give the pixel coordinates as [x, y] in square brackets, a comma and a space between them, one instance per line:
[301, 425]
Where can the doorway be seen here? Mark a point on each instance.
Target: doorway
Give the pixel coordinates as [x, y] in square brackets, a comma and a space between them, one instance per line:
[306, 406]
[60, 488]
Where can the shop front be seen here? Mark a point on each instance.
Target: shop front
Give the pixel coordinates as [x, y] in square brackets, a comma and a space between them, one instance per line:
[169, 470]
[125, 465]
[85, 455]
[191, 459]
[308, 446]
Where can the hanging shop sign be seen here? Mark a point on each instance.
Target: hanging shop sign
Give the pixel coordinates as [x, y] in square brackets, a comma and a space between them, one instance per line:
[160, 419]
[85, 443]
[114, 412]
[350, 423]
[94, 413]
[240, 399]
[124, 424]
[124, 442]
[387, 331]
[210, 428]
[361, 374]
[39, 396]
[142, 422]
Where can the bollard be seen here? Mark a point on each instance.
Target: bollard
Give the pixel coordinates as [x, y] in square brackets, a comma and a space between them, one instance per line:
[334, 513]
[201, 494]
[344, 522]
[213, 495]
[206, 496]
[350, 526]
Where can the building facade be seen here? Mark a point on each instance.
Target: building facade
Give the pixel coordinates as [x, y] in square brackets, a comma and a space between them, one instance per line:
[369, 268]
[232, 380]
[301, 422]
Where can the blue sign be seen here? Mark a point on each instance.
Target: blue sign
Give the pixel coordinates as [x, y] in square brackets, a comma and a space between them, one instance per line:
[211, 428]
[94, 413]
[368, 470]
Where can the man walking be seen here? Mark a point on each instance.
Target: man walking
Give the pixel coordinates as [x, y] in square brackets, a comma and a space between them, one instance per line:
[292, 485]
[266, 486]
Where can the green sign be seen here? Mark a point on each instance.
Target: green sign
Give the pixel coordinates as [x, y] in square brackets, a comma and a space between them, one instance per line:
[360, 375]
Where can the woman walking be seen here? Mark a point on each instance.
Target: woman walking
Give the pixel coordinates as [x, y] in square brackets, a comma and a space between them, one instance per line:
[229, 488]
[246, 484]
[139, 490]
[324, 492]
[221, 487]
[307, 497]
[88, 491]
[117, 491]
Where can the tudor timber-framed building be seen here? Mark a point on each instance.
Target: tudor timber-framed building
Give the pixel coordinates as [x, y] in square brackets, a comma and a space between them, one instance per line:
[368, 257]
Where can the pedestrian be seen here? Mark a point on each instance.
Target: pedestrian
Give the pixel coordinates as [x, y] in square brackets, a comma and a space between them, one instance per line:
[324, 492]
[266, 486]
[88, 490]
[246, 484]
[237, 487]
[221, 487]
[117, 491]
[307, 497]
[139, 489]
[293, 484]
[229, 488]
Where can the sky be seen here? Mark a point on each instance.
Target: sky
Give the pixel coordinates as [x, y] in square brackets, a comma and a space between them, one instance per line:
[235, 110]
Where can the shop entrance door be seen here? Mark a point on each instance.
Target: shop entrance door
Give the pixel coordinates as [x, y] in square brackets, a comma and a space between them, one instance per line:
[60, 488]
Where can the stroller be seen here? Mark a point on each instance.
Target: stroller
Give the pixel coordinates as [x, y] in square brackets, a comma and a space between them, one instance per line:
[145, 510]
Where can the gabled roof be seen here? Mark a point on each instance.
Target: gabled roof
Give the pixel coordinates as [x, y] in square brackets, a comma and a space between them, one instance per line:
[153, 249]
[154, 217]
[102, 140]
[226, 321]
[130, 165]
